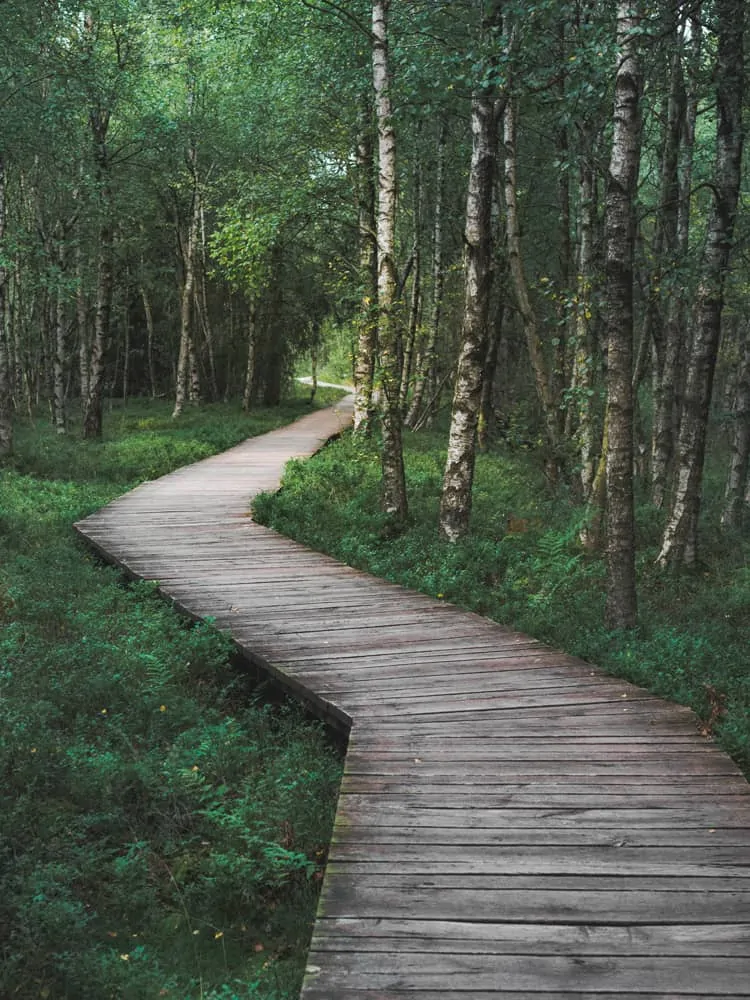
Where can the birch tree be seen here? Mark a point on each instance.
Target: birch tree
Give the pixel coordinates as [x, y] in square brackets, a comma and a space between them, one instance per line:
[618, 318]
[458, 477]
[6, 408]
[393, 498]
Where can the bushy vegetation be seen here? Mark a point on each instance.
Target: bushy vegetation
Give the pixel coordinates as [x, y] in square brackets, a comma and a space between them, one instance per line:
[161, 829]
[523, 565]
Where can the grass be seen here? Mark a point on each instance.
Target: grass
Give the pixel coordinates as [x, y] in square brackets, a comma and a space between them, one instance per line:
[162, 830]
[522, 565]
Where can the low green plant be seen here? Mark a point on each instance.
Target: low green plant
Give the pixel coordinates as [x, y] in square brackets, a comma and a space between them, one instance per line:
[162, 829]
[523, 565]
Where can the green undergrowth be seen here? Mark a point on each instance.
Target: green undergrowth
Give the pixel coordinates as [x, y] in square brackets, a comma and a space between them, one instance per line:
[162, 830]
[522, 565]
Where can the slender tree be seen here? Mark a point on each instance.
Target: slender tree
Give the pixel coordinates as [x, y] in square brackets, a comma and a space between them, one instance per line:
[393, 499]
[364, 368]
[455, 499]
[618, 317]
[6, 408]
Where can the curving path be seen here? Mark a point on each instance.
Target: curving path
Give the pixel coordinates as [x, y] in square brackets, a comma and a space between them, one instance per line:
[513, 823]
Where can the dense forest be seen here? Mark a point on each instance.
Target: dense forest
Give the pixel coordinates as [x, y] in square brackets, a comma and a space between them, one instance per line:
[516, 228]
[533, 207]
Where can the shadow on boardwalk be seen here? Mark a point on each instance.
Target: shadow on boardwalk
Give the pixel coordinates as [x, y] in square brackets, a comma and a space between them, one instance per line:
[513, 823]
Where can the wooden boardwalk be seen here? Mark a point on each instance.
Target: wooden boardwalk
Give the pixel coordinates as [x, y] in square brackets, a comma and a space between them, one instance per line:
[513, 823]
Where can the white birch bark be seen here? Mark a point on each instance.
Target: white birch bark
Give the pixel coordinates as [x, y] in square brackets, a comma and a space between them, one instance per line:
[393, 496]
[618, 316]
[6, 407]
[458, 477]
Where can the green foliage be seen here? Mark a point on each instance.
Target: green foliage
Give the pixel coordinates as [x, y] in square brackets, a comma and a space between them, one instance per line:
[522, 565]
[161, 831]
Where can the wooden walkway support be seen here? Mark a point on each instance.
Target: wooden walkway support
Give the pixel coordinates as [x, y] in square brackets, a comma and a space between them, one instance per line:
[512, 823]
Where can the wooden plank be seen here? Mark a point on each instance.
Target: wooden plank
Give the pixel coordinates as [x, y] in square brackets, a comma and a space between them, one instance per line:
[493, 938]
[537, 973]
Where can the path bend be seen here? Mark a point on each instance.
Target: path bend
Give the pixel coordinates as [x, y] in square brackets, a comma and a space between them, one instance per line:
[512, 822]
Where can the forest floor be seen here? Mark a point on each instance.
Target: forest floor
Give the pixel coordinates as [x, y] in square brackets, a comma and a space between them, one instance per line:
[162, 827]
[523, 565]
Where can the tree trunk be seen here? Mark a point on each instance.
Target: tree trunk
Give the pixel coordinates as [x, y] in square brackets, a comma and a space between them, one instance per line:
[92, 416]
[667, 252]
[6, 407]
[364, 367]
[58, 389]
[582, 397]
[618, 316]
[186, 365]
[458, 478]
[539, 363]
[149, 341]
[247, 398]
[426, 375]
[680, 540]
[203, 309]
[393, 498]
[734, 494]
[415, 305]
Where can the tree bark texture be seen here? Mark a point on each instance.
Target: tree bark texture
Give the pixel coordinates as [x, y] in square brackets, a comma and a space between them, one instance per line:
[458, 477]
[426, 375]
[393, 497]
[618, 317]
[539, 362]
[734, 494]
[92, 417]
[247, 397]
[364, 366]
[186, 359]
[6, 408]
[667, 253]
[582, 396]
[680, 541]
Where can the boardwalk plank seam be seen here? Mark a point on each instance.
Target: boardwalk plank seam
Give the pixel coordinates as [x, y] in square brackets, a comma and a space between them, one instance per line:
[512, 822]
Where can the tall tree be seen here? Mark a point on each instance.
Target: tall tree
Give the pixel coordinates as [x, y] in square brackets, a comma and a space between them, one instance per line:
[393, 496]
[680, 540]
[6, 409]
[618, 318]
[364, 369]
[458, 477]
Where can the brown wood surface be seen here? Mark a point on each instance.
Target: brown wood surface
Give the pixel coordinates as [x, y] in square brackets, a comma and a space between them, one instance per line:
[512, 822]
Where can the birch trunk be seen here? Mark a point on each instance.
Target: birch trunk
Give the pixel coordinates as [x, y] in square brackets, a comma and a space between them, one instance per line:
[393, 499]
[58, 389]
[415, 305]
[458, 478]
[92, 417]
[247, 398]
[583, 356]
[6, 407]
[734, 494]
[426, 379]
[149, 341]
[680, 541]
[618, 316]
[364, 366]
[186, 357]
